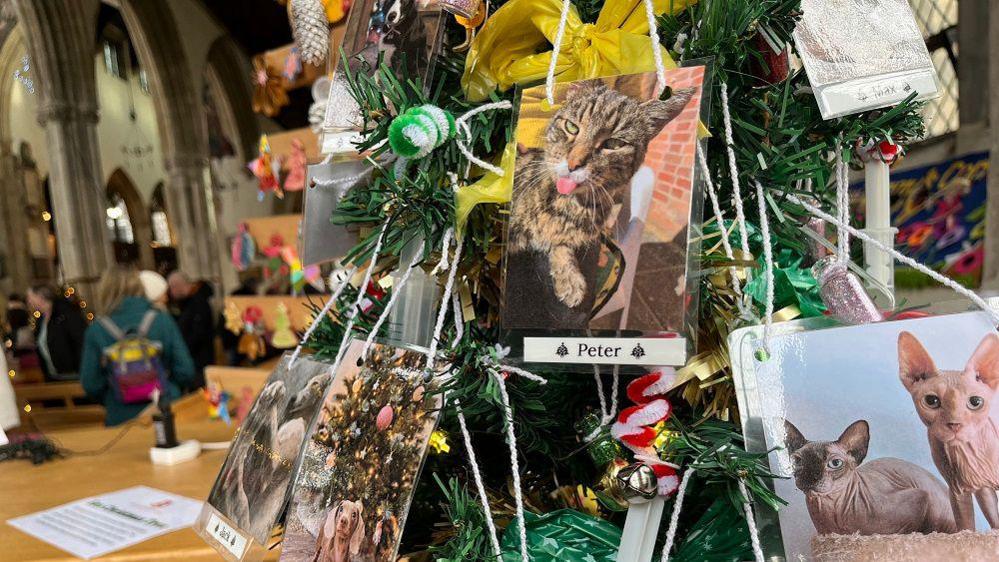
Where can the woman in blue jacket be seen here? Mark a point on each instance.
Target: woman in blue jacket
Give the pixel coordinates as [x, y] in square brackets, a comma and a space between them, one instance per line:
[121, 293]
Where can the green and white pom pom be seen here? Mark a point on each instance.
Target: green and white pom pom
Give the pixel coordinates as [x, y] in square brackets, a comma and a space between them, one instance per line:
[419, 130]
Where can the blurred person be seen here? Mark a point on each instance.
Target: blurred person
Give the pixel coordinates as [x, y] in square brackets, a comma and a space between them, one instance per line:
[18, 321]
[58, 333]
[191, 308]
[126, 307]
[156, 288]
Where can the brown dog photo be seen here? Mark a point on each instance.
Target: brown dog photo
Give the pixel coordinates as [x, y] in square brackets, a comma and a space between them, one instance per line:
[252, 487]
[602, 194]
[885, 435]
[362, 460]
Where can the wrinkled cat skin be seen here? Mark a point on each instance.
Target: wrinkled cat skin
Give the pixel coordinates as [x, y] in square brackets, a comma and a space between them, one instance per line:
[566, 190]
[881, 497]
[954, 405]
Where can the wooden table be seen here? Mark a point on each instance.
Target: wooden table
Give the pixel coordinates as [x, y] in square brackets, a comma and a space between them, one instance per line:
[25, 488]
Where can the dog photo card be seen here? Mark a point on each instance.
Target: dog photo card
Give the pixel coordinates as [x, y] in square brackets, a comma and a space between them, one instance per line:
[251, 490]
[362, 459]
[887, 435]
[602, 199]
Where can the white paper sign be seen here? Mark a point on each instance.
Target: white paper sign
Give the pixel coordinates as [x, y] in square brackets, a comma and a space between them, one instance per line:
[231, 539]
[98, 525]
[606, 351]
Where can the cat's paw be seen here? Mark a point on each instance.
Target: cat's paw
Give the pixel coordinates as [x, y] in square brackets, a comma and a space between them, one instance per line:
[570, 288]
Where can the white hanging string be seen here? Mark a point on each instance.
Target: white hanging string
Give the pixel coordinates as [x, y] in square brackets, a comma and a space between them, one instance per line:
[720, 219]
[459, 324]
[754, 533]
[740, 213]
[842, 209]
[511, 441]
[396, 291]
[445, 299]
[477, 476]
[461, 124]
[606, 414]
[768, 260]
[556, 47]
[674, 518]
[942, 279]
[322, 314]
[361, 290]
[445, 245]
[657, 55]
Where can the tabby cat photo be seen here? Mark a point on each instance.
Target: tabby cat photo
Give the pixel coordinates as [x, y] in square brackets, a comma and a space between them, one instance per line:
[601, 197]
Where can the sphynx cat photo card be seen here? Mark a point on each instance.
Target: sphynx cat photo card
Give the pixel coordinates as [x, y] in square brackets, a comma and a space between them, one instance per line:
[887, 435]
[602, 199]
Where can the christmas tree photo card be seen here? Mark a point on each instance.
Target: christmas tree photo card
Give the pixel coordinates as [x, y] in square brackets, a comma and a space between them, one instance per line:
[602, 196]
[362, 459]
[885, 435]
[252, 488]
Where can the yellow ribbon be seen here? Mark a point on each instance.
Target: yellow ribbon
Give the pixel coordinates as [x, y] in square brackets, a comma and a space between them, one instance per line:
[490, 188]
[506, 51]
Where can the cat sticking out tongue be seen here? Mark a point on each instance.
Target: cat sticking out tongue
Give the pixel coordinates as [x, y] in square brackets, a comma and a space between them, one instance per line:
[565, 185]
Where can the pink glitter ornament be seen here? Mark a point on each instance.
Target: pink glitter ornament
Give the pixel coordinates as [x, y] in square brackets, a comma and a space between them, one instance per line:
[843, 294]
[384, 419]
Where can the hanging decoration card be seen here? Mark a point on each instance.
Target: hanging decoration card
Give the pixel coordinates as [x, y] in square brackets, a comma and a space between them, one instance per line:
[322, 241]
[886, 429]
[863, 54]
[603, 193]
[362, 459]
[251, 490]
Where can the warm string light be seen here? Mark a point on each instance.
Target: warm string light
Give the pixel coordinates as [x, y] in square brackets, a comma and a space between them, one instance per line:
[12, 373]
[27, 408]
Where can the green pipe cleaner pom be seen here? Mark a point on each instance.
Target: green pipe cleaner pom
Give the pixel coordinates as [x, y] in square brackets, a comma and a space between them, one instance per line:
[419, 130]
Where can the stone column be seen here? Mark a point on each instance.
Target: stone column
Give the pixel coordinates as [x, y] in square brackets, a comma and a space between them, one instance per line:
[990, 276]
[191, 209]
[60, 36]
[13, 222]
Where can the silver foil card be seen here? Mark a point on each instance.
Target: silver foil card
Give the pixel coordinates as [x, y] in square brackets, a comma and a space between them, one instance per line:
[323, 241]
[863, 54]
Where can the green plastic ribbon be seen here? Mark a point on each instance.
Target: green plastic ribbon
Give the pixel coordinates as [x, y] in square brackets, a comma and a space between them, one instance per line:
[564, 534]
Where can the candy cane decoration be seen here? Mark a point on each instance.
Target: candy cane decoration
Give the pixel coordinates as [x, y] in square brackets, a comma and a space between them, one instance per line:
[633, 427]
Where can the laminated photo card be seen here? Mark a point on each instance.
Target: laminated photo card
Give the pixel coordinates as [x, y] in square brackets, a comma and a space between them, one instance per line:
[887, 435]
[362, 459]
[598, 236]
[252, 488]
[863, 54]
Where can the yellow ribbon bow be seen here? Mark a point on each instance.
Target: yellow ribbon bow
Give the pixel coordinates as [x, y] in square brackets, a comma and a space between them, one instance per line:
[506, 51]
[490, 188]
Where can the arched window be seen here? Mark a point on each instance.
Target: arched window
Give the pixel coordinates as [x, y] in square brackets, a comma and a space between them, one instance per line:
[158, 218]
[118, 221]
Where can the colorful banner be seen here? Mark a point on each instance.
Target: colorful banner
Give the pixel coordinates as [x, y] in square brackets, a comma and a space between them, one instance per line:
[939, 211]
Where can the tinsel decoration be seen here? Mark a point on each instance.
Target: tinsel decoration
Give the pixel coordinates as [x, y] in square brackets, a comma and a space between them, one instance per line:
[310, 27]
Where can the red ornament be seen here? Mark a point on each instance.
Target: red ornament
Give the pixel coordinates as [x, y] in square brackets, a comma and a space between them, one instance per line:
[384, 419]
[774, 67]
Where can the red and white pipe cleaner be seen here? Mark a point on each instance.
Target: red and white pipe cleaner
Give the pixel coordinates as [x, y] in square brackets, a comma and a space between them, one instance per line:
[633, 427]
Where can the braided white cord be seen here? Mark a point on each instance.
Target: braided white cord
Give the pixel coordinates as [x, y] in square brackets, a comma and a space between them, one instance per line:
[361, 290]
[336, 181]
[674, 517]
[942, 279]
[720, 219]
[740, 213]
[754, 533]
[556, 46]
[442, 310]
[477, 475]
[657, 54]
[445, 244]
[459, 324]
[605, 415]
[461, 124]
[511, 440]
[396, 291]
[319, 317]
[768, 261]
[842, 208]
[518, 371]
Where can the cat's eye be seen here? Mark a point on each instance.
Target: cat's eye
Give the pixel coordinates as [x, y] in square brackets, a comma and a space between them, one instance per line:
[614, 144]
[976, 402]
[570, 127]
[835, 463]
[932, 401]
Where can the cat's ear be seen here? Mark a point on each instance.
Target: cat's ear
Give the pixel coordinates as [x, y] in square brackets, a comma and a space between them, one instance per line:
[664, 111]
[793, 438]
[984, 361]
[914, 363]
[855, 440]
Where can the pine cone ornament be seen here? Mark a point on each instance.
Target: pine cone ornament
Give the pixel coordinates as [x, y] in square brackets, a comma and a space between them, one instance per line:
[311, 29]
